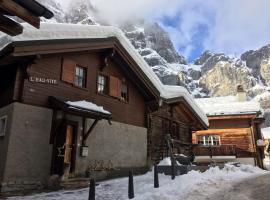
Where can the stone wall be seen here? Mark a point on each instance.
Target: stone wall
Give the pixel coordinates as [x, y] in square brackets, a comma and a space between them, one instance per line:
[26, 153]
[122, 145]
[4, 140]
[28, 156]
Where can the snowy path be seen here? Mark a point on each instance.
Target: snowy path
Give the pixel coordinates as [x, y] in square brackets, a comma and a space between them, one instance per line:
[192, 186]
[248, 189]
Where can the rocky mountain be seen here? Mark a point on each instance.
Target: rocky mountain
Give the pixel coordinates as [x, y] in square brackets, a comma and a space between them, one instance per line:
[212, 74]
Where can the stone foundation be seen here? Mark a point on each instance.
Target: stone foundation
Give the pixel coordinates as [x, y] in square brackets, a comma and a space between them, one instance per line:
[20, 187]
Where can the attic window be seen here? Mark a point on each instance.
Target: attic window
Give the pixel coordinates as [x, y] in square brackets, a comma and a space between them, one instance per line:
[124, 92]
[3, 124]
[80, 76]
[102, 84]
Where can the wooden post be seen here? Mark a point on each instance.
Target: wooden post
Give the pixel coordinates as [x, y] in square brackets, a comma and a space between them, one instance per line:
[92, 189]
[130, 185]
[169, 140]
[173, 167]
[156, 181]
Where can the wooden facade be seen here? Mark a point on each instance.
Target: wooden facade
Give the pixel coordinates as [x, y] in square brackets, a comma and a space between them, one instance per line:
[173, 120]
[20, 88]
[237, 137]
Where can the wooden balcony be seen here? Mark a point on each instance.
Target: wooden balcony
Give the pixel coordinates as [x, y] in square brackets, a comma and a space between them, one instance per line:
[222, 150]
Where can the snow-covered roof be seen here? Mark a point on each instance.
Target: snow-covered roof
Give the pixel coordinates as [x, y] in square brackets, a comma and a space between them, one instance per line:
[266, 132]
[87, 105]
[49, 31]
[228, 105]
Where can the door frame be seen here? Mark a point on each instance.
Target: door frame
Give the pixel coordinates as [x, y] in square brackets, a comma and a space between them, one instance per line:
[62, 130]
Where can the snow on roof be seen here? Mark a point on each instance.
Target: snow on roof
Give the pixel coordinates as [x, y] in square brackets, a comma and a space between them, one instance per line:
[227, 105]
[266, 132]
[87, 105]
[49, 31]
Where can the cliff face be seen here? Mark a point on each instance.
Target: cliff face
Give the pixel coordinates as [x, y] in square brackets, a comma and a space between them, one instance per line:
[212, 74]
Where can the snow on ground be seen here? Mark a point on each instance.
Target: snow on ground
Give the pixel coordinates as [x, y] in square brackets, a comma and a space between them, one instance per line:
[192, 186]
[167, 162]
[266, 162]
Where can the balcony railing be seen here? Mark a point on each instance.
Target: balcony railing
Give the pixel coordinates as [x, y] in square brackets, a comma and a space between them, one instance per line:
[222, 150]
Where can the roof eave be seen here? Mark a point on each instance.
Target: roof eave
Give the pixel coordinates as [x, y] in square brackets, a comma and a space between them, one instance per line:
[182, 99]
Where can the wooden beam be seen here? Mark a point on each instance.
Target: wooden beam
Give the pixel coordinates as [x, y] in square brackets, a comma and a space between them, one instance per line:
[90, 130]
[15, 9]
[251, 116]
[9, 26]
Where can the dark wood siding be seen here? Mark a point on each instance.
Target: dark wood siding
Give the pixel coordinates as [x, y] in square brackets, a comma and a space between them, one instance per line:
[168, 120]
[7, 82]
[132, 112]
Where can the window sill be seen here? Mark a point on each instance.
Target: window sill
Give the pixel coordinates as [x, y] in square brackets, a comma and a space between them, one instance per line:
[81, 88]
[72, 84]
[108, 96]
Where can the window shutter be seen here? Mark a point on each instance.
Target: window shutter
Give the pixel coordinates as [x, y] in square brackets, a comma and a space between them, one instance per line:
[68, 70]
[115, 87]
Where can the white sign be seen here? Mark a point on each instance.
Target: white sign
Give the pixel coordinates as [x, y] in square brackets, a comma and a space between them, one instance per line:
[84, 151]
[43, 80]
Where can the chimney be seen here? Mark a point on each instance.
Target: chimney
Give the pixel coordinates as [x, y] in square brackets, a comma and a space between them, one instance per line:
[241, 93]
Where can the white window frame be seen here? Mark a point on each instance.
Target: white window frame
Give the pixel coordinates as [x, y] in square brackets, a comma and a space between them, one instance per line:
[211, 138]
[3, 133]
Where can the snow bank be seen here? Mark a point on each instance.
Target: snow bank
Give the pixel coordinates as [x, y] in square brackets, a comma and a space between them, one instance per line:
[192, 186]
[49, 31]
[87, 105]
[167, 162]
[227, 105]
[266, 132]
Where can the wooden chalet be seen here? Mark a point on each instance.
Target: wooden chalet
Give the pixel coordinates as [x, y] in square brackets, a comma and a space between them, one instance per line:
[234, 132]
[79, 101]
[29, 11]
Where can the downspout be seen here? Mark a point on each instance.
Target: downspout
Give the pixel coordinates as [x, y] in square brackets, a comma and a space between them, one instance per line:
[253, 142]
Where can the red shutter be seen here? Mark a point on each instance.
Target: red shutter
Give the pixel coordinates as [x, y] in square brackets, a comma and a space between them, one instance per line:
[115, 87]
[68, 70]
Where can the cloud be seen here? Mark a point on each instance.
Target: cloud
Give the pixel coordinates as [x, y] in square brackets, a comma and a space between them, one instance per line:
[118, 11]
[230, 26]
[239, 25]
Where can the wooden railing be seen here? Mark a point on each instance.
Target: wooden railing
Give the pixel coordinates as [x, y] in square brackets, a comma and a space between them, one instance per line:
[222, 150]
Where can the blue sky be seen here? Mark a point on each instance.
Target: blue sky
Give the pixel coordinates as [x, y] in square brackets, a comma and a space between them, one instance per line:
[196, 40]
[228, 26]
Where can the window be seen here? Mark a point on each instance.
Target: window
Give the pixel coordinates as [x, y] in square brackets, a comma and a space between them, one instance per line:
[80, 76]
[209, 140]
[112, 86]
[3, 123]
[124, 91]
[102, 85]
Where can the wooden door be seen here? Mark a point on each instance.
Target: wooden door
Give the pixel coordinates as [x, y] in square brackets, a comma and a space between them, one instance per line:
[68, 144]
[64, 149]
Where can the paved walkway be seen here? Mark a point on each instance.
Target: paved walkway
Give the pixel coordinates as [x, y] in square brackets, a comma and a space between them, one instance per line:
[257, 188]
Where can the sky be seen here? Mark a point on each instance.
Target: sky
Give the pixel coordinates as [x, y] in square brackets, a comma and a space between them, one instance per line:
[228, 26]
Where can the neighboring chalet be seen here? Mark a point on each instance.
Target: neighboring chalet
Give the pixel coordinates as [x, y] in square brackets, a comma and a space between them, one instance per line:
[266, 138]
[78, 100]
[234, 132]
[29, 11]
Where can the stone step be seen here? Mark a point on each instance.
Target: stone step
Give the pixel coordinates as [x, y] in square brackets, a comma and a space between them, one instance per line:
[75, 183]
